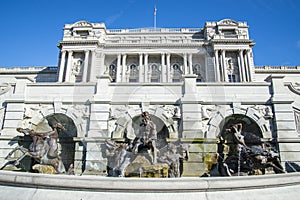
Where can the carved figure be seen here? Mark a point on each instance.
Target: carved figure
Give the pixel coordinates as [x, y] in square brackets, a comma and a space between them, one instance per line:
[44, 148]
[246, 154]
[171, 154]
[118, 158]
[147, 136]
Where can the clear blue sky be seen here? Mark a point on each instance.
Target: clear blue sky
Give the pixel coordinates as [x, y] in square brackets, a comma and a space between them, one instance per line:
[31, 29]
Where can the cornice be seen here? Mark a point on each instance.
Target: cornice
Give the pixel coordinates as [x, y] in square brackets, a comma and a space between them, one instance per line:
[200, 44]
[79, 42]
[226, 41]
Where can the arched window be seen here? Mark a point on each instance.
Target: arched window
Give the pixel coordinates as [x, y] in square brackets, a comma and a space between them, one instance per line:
[197, 71]
[155, 73]
[133, 73]
[177, 73]
[113, 72]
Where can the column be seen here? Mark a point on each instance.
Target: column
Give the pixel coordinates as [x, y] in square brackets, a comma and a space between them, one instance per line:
[86, 66]
[124, 57]
[146, 68]
[168, 68]
[163, 68]
[249, 65]
[62, 66]
[185, 63]
[242, 65]
[224, 74]
[141, 68]
[217, 66]
[246, 67]
[240, 69]
[92, 68]
[190, 63]
[69, 66]
[119, 69]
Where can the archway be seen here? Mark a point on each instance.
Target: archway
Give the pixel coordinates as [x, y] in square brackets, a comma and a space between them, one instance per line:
[66, 141]
[249, 125]
[161, 128]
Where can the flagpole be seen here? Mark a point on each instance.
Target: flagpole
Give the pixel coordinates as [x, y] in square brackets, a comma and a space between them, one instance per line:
[155, 17]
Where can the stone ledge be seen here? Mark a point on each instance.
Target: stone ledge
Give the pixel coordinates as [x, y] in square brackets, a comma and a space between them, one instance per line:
[131, 185]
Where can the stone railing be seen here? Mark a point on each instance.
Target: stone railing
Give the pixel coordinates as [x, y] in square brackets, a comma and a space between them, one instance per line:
[266, 67]
[154, 30]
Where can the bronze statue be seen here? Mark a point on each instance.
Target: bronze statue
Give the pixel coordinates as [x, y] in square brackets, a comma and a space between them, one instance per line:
[147, 136]
[44, 148]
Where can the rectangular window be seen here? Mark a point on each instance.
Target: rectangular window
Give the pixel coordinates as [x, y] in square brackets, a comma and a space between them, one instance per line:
[231, 78]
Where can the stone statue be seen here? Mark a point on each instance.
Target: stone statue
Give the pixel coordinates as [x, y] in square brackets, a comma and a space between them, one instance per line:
[44, 148]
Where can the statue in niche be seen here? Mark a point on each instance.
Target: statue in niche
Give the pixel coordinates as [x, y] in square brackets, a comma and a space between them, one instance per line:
[44, 148]
[147, 136]
[130, 158]
[76, 69]
[243, 153]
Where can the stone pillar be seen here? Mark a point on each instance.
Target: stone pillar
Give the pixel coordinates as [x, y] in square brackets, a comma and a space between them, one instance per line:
[242, 65]
[86, 66]
[191, 109]
[93, 67]
[168, 68]
[141, 68]
[69, 66]
[163, 68]
[217, 66]
[190, 63]
[283, 121]
[247, 68]
[224, 74]
[62, 65]
[124, 57]
[250, 78]
[119, 69]
[185, 63]
[146, 68]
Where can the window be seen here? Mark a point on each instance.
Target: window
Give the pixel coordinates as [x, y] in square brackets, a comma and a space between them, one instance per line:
[133, 73]
[155, 73]
[177, 73]
[231, 78]
[113, 72]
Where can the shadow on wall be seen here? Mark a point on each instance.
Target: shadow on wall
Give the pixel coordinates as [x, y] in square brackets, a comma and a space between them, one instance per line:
[48, 74]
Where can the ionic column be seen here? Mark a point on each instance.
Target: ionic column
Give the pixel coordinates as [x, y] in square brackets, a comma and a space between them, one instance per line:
[119, 69]
[168, 67]
[246, 67]
[62, 66]
[124, 57]
[217, 67]
[240, 69]
[185, 63]
[249, 65]
[224, 74]
[86, 66]
[141, 68]
[242, 65]
[190, 63]
[163, 68]
[69, 66]
[92, 69]
[146, 67]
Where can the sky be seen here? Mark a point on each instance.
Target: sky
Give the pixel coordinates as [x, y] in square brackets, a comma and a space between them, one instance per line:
[31, 29]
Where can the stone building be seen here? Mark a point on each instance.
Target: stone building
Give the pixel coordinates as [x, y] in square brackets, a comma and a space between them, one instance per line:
[194, 82]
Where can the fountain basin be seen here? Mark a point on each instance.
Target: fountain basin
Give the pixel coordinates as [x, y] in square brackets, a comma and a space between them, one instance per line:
[20, 185]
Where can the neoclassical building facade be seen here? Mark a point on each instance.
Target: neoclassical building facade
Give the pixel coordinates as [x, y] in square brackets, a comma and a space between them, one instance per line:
[194, 82]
